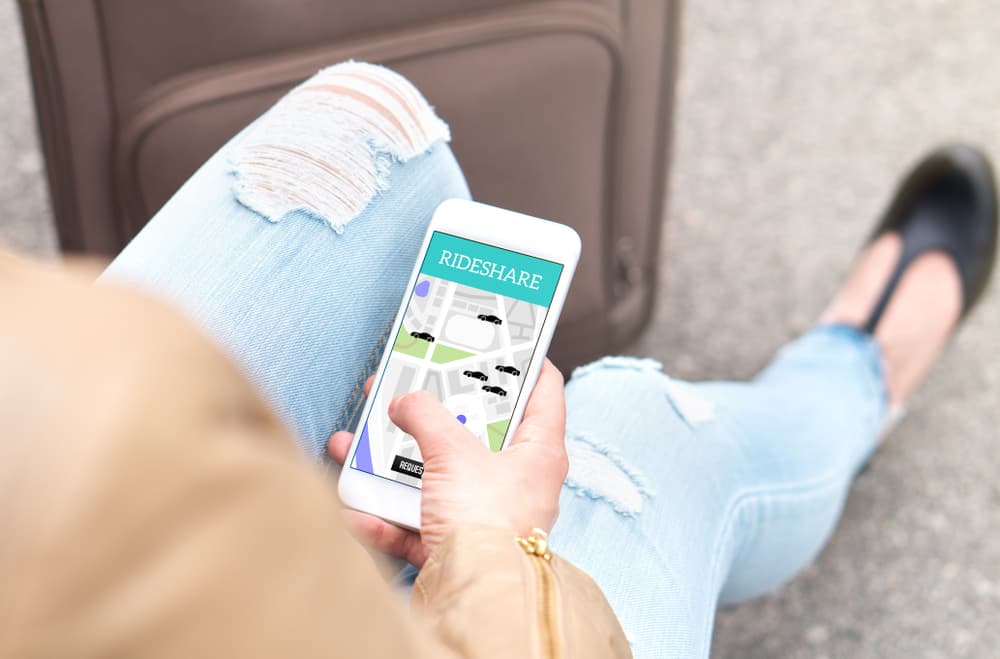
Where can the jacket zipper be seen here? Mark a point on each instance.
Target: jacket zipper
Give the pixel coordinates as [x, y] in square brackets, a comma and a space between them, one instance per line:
[536, 546]
[546, 608]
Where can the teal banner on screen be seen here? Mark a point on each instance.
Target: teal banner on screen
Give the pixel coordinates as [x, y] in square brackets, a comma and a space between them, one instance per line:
[493, 269]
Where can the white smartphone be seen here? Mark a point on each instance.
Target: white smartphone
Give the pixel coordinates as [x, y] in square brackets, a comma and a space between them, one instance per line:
[473, 329]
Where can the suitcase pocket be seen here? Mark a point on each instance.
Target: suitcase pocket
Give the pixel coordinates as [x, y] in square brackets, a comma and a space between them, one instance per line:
[530, 91]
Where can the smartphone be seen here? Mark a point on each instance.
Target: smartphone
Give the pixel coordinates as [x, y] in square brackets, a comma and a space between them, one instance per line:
[473, 328]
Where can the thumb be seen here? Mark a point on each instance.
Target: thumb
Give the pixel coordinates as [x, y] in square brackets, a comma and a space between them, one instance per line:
[421, 415]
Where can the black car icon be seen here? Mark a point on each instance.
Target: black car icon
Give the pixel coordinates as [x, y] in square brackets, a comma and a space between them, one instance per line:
[508, 369]
[490, 318]
[479, 375]
[424, 336]
[494, 390]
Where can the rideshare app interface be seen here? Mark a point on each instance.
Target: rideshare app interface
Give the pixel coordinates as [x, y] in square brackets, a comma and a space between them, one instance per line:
[470, 328]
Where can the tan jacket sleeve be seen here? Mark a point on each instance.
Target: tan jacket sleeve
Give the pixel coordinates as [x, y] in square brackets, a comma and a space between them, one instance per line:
[152, 506]
[519, 605]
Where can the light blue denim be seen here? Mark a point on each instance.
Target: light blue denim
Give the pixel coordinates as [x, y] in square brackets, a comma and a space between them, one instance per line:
[680, 495]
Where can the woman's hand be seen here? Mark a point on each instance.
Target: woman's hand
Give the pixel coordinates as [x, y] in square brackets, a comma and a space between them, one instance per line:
[466, 483]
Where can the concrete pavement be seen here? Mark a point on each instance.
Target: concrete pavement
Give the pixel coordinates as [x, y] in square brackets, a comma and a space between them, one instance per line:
[795, 120]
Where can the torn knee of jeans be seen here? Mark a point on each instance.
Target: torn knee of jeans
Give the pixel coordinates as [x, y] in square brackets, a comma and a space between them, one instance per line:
[326, 148]
[641, 364]
[693, 409]
[599, 472]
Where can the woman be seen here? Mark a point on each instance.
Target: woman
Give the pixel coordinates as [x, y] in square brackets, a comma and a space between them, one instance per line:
[291, 248]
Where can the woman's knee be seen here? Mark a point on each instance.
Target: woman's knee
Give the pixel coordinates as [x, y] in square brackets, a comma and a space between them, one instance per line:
[629, 426]
[326, 149]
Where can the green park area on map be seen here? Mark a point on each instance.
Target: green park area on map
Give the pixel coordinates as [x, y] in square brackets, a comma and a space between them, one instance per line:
[496, 431]
[408, 345]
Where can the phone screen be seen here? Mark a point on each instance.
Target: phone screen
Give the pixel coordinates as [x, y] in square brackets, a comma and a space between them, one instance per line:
[469, 332]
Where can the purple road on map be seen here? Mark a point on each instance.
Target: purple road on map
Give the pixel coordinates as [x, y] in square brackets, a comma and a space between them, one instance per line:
[363, 456]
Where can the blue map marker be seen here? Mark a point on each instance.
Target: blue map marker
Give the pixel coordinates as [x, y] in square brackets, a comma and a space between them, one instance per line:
[461, 418]
[421, 289]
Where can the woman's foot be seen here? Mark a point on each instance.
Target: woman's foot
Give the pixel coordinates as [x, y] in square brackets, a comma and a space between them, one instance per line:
[919, 318]
[927, 266]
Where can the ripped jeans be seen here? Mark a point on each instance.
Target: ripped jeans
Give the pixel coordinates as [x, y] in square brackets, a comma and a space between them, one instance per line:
[679, 495]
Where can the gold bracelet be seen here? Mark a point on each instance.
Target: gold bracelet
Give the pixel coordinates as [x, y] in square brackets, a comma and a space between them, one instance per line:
[536, 544]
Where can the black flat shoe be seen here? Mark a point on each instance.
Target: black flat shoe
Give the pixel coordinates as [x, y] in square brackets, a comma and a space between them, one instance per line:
[946, 203]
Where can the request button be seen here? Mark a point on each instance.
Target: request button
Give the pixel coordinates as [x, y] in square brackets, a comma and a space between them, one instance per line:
[408, 467]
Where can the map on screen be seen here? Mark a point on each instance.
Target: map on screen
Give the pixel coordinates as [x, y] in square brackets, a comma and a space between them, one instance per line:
[469, 331]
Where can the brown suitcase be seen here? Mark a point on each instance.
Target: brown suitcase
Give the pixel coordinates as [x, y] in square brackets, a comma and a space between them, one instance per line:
[560, 109]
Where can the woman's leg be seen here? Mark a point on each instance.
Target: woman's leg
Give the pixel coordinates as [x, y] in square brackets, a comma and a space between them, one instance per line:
[291, 248]
[681, 495]
[292, 245]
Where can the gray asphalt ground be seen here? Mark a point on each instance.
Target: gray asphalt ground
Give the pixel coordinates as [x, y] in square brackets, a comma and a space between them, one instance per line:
[794, 121]
[25, 216]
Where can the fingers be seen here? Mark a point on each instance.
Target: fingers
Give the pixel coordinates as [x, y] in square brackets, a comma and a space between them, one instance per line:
[339, 445]
[421, 415]
[384, 537]
[368, 385]
[545, 415]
